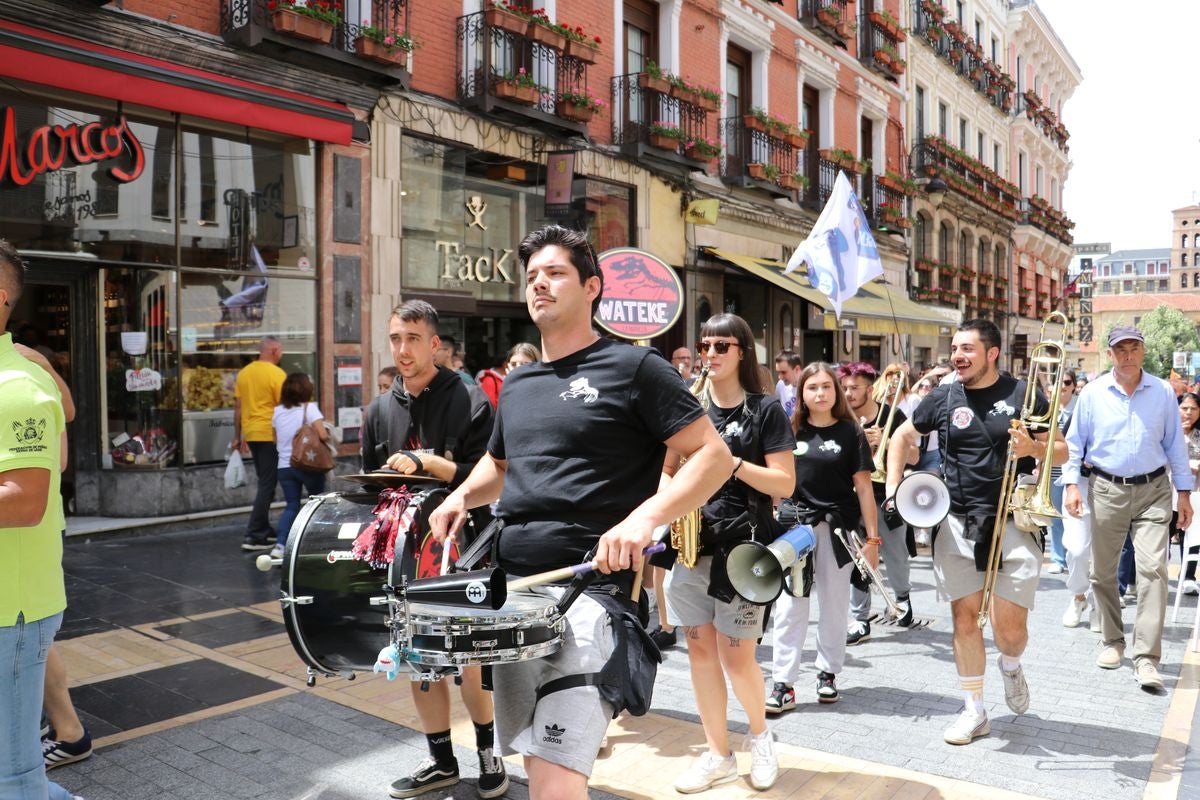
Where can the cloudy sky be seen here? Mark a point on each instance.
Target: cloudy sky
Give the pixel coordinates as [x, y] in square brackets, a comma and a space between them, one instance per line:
[1134, 121]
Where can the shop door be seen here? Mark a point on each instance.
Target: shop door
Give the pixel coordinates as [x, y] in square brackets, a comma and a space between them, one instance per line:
[54, 318]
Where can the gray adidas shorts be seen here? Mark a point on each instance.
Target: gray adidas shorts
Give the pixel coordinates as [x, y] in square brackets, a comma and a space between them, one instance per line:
[954, 564]
[567, 726]
[689, 604]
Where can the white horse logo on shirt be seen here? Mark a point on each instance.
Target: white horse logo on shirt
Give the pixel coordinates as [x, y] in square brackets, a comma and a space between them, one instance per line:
[580, 388]
[830, 447]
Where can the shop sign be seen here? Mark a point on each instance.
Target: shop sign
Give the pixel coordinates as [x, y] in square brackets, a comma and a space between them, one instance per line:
[560, 177]
[458, 264]
[643, 296]
[51, 147]
[142, 380]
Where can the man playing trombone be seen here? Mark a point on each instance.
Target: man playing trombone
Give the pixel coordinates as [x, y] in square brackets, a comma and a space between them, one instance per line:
[978, 420]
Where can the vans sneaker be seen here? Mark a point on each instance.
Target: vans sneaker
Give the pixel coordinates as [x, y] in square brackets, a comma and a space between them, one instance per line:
[858, 631]
[782, 698]
[428, 775]
[493, 779]
[707, 771]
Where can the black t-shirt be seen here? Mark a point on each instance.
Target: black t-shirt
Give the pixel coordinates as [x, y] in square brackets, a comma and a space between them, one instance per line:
[752, 430]
[826, 460]
[972, 426]
[583, 441]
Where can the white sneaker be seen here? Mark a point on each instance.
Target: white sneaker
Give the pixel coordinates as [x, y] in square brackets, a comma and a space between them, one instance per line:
[277, 551]
[764, 765]
[1016, 690]
[922, 537]
[970, 725]
[1073, 616]
[1055, 568]
[1190, 588]
[707, 771]
[1094, 619]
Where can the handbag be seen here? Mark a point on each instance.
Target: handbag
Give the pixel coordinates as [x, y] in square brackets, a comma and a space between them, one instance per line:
[309, 453]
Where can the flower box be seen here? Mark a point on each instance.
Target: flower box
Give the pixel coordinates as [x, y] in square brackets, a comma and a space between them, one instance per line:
[574, 111]
[511, 90]
[664, 142]
[753, 123]
[828, 17]
[543, 35]
[583, 51]
[789, 182]
[757, 171]
[648, 81]
[377, 51]
[883, 57]
[302, 26]
[506, 21]
[798, 140]
[897, 68]
[706, 103]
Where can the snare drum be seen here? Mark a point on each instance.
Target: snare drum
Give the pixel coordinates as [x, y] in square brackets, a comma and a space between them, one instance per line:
[334, 606]
[429, 636]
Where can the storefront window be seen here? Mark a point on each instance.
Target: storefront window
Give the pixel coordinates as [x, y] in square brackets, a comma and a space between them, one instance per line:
[141, 370]
[224, 319]
[609, 214]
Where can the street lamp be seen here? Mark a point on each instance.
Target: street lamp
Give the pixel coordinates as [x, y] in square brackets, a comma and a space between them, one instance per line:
[936, 190]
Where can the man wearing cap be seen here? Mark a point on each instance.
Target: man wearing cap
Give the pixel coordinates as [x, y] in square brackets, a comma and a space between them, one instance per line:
[1123, 438]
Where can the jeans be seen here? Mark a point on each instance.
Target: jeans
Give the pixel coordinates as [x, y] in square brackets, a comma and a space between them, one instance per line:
[1126, 567]
[930, 461]
[266, 457]
[292, 480]
[1057, 552]
[23, 649]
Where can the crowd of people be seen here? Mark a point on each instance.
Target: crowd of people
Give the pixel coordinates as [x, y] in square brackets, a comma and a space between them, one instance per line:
[585, 447]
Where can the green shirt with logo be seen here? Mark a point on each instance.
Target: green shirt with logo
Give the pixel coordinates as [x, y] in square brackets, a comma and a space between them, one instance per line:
[31, 424]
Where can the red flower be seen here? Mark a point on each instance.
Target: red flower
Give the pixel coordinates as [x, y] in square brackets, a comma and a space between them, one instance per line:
[598, 40]
[271, 6]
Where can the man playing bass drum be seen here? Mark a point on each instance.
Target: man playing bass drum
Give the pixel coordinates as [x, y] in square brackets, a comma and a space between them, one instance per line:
[973, 417]
[721, 628]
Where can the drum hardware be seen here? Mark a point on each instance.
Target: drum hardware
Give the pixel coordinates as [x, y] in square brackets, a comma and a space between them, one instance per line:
[870, 574]
[303, 600]
[757, 571]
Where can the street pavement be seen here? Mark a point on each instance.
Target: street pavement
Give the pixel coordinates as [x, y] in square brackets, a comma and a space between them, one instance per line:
[181, 669]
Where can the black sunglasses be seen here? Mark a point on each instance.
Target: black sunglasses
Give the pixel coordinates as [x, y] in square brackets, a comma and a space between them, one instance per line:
[721, 347]
[1068, 383]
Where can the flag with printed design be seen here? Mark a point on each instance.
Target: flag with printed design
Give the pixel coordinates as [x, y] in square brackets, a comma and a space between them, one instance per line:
[840, 251]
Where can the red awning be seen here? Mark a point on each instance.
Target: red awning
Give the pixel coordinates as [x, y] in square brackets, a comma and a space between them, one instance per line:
[38, 56]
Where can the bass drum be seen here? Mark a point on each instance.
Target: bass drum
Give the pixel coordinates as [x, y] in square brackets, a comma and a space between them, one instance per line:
[334, 606]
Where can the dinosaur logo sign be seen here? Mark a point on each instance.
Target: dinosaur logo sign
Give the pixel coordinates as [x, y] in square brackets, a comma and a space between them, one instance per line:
[643, 296]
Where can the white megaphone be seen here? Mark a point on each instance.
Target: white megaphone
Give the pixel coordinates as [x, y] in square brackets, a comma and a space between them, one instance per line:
[757, 571]
[922, 499]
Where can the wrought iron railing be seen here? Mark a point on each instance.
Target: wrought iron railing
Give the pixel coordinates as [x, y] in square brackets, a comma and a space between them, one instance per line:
[389, 16]
[829, 17]
[1031, 214]
[488, 56]
[747, 151]
[966, 57]
[890, 208]
[931, 157]
[879, 48]
[635, 107]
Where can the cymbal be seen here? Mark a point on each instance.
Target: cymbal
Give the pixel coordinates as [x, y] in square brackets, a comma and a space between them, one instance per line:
[388, 478]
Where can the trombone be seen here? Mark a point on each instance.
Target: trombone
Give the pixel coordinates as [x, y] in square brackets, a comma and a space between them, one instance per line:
[1047, 359]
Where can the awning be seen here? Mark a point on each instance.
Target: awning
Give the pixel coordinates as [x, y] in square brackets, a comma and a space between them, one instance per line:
[38, 56]
[876, 308]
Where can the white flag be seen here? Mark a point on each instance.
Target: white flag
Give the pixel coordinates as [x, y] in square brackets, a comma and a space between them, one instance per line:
[840, 251]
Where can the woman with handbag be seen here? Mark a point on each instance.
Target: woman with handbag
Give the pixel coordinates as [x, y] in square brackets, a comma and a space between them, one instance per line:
[304, 458]
[721, 629]
[832, 490]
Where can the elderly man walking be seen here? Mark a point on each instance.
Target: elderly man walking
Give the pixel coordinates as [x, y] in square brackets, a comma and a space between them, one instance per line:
[1125, 434]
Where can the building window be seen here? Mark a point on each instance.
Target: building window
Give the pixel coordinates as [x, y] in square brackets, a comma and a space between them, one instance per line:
[944, 243]
[978, 31]
[921, 235]
[1183, 241]
[995, 49]
[162, 167]
[919, 112]
[1183, 259]
[1196, 279]
[942, 113]
[1162, 286]
[979, 146]
[996, 159]
[1183, 280]
[1127, 286]
[962, 132]
[1021, 173]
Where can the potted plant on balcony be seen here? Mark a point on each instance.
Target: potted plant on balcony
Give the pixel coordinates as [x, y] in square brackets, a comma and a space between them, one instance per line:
[379, 44]
[829, 16]
[313, 22]
[924, 264]
[934, 33]
[665, 135]
[546, 32]
[898, 66]
[797, 137]
[777, 128]
[507, 17]
[793, 182]
[520, 88]
[653, 78]
[762, 172]
[680, 90]
[934, 9]
[581, 46]
[580, 106]
[707, 99]
[883, 56]
[702, 149]
[756, 120]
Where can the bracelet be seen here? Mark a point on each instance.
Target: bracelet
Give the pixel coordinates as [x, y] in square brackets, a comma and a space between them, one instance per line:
[735, 469]
[415, 459]
[874, 540]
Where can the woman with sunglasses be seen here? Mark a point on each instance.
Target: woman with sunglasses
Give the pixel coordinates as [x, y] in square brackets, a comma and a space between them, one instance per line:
[1189, 416]
[721, 628]
[832, 490]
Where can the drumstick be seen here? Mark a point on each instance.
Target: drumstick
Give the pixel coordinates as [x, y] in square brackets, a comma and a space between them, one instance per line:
[555, 575]
[447, 546]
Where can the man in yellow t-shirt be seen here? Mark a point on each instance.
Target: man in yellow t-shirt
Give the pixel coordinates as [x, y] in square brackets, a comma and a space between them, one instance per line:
[32, 594]
[257, 393]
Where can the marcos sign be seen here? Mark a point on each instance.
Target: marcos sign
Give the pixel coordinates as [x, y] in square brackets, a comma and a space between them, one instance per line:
[49, 148]
[643, 296]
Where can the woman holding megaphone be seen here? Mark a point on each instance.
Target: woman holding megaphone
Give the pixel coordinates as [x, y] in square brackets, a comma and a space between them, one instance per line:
[721, 628]
[832, 490]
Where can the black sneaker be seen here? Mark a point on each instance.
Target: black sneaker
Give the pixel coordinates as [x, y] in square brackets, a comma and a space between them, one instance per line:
[428, 775]
[782, 698]
[56, 753]
[906, 619]
[826, 687]
[859, 631]
[664, 639]
[251, 543]
[493, 779]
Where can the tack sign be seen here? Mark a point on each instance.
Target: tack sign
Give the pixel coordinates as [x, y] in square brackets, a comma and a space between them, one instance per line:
[643, 296]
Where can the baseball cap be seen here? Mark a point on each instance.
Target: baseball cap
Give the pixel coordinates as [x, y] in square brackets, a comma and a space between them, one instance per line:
[1124, 333]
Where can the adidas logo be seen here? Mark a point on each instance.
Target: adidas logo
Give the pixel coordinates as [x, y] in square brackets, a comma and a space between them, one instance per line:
[554, 734]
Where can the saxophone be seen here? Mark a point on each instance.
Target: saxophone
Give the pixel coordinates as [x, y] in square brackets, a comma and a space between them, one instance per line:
[685, 531]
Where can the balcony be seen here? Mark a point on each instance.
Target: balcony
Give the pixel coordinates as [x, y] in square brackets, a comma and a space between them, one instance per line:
[889, 200]
[1043, 118]
[949, 41]
[755, 159]
[340, 50]
[517, 72]
[879, 37]
[934, 156]
[1040, 214]
[640, 102]
[830, 19]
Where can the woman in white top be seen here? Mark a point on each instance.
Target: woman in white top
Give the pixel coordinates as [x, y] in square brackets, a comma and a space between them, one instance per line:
[295, 409]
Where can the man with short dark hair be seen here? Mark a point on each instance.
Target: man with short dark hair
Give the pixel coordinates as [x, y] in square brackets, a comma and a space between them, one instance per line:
[1125, 434]
[32, 592]
[431, 423]
[974, 418]
[575, 460]
[788, 366]
[257, 393]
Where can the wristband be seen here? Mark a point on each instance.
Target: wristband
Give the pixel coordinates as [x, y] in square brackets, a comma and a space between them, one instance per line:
[874, 540]
[415, 459]
[735, 469]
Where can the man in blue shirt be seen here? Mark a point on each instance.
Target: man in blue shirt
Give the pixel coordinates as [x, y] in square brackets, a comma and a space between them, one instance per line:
[1125, 434]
